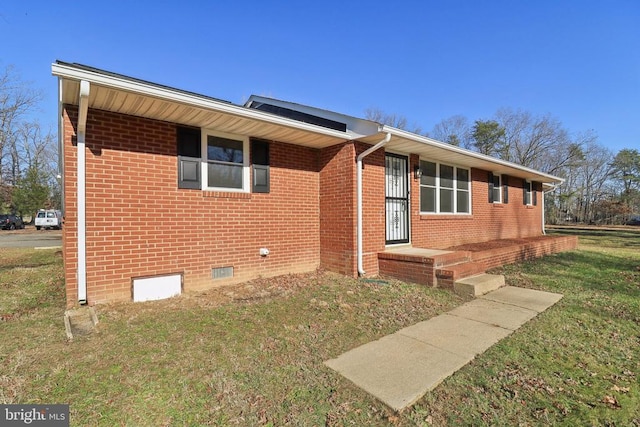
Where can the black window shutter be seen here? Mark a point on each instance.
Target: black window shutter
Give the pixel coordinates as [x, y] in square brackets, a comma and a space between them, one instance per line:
[524, 191]
[260, 166]
[505, 189]
[534, 193]
[490, 187]
[189, 158]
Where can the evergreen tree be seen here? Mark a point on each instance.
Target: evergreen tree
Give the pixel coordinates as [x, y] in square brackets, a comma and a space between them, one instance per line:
[31, 192]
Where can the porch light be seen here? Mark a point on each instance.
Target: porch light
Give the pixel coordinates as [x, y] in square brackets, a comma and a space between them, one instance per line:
[417, 172]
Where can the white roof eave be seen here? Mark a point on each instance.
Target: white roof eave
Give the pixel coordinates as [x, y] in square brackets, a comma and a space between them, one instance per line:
[68, 72]
[463, 156]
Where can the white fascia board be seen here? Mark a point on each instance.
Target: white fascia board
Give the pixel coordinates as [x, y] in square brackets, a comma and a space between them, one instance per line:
[113, 82]
[463, 151]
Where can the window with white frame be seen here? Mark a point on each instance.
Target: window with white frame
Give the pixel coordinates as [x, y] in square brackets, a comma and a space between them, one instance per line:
[496, 195]
[226, 161]
[444, 189]
[528, 200]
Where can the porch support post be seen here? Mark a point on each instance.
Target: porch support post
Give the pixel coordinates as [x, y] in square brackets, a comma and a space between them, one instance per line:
[361, 156]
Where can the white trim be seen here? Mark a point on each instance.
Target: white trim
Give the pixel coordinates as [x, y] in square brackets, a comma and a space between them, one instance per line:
[169, 94]
[205, 161]
[468, 153]
[76, 73]
[455, 190]
[530, 192]
[500, 189]
[83, 108]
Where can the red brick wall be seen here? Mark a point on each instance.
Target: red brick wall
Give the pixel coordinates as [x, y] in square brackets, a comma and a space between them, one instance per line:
[338, 216]
[487, 221]
[544, 245]
[373, 208]
[140, 224]
[337, 209]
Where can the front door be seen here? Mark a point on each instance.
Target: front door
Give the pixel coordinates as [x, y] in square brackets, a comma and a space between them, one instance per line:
[397, 198]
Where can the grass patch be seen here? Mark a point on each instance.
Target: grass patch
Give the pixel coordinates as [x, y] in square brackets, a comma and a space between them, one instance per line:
[252, 354]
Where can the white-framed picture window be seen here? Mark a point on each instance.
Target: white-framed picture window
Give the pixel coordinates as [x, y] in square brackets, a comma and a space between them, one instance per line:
[444, 189]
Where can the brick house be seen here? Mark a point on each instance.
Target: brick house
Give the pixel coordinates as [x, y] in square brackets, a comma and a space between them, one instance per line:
[168, 191]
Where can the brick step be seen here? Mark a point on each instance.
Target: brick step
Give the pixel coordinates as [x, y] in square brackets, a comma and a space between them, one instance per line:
[451, 258]
[446, 276]
[480, 284]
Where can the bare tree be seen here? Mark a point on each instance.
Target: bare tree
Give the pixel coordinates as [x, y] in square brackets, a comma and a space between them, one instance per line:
[394, 120]
[528, 138]
[454, 130]
[16, 100]
[591, 178]
[23, 145]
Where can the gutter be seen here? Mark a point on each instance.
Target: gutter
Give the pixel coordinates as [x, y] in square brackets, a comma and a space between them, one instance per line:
[361, 156]
[83, 108]
[134, 86]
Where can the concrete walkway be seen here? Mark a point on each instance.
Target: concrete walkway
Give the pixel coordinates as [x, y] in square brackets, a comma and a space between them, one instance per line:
[400, 368]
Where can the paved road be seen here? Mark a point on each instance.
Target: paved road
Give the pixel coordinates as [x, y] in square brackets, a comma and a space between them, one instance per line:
[30, 238]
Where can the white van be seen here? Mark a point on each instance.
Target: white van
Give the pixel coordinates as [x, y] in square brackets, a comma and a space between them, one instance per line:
[48, 219]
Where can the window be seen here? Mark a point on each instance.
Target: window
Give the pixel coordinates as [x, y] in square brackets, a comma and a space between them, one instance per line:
[444, 189]
[527, 200]
[212, 160]
[495, 189]
[189, 155]
[226, 161]
[498, 188]
[260, 166]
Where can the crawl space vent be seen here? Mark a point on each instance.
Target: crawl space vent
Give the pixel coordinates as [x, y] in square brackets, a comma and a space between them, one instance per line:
[221, 272]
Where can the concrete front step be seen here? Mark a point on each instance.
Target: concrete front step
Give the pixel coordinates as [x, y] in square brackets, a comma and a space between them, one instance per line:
[448, 275]
[480, 284]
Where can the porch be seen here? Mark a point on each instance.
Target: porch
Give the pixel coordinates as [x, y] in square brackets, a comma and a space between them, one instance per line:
[444, 268]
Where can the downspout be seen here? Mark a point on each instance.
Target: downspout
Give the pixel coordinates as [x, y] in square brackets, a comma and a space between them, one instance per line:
[83, 108]
[361, 156]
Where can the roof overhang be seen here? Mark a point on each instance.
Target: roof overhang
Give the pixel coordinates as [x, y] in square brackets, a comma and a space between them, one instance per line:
[427, 148]
[125, 95]
[121, 94]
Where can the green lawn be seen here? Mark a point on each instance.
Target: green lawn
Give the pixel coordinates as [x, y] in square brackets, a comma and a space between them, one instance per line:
[252, 355]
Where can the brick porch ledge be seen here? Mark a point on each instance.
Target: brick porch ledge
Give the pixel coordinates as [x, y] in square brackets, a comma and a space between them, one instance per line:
[441, 268]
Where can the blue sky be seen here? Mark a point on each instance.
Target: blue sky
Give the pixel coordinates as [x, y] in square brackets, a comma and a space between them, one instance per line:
[426, 60]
